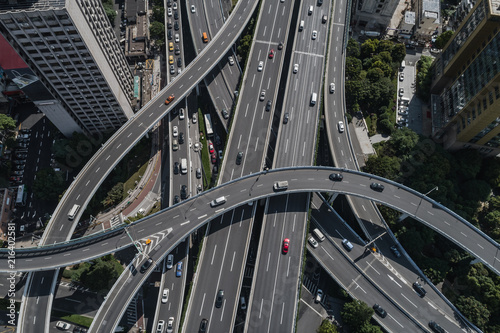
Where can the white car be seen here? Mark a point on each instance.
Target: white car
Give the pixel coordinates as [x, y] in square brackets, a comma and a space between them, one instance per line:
[181, 114]
[314, 34]
[175, 131]
[169, 11]
[170, 261]
[262, 95]
[295, 68]
[313, 242]
[193, 9]
[161, 324]
[319, 296]
[176, 38]
[231, 60]
[341, 126]
[332, 88]
[261, 66]
[174, 5]
[164, 296]
[62, 325]
[170, 325]
[401, 92]
[195, 118]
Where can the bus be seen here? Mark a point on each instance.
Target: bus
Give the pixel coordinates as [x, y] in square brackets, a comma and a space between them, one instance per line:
[208, 125]
[72, 213]
[21, 196]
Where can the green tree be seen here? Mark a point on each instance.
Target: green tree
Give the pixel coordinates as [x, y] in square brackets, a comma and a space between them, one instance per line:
[356, 314]
[468, 163]
[353, 49]
[327, 327]
[374, 74]
[158, 14]
[398, 53]
[102, 273]
[385, 46]
[353, 67]
[475, 190]
[385, 126]
[442, 39]
[157, 31]
[369, 48]
[6, 122]
[384, 166]
[109, 10]
[115, 195]
[48, 185]
[245, 43]
[384, 66]
[369, 328]
[490, 171]
[424, 77]
[403, 142]
[474, 310]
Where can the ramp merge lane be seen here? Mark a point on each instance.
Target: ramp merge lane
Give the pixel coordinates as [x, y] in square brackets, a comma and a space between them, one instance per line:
[187, 216]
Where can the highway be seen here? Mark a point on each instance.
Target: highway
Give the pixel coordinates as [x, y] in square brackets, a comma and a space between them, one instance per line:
[82, 189]
[275, 290]
[365, 212]
[182, 219]
[382, 270]
[226, 245]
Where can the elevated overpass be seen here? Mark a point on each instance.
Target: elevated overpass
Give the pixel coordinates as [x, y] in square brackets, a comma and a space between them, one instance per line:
[180, 220]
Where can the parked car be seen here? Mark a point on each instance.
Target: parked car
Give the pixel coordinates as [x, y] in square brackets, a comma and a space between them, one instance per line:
[63, 325]
[313, 242]
[319, 296]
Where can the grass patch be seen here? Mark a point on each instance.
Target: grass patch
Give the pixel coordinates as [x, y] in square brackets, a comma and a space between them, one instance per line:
[136, 177]
[73, 318]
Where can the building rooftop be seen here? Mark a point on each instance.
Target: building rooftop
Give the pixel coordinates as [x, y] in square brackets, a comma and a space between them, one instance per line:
[18, 5]
[410, 17]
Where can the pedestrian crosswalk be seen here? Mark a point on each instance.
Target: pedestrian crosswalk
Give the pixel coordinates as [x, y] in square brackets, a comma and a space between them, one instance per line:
[310, 285]
[116, 220]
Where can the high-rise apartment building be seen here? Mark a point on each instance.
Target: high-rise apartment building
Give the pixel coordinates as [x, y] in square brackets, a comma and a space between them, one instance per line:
[465, 104]
[72, 49]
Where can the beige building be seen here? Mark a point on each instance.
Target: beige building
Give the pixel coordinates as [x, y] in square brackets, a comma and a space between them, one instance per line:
[465, 104]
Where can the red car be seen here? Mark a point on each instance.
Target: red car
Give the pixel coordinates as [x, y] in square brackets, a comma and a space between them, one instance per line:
[211, 148]
[214, 158]
[271, 54]
[286, 242]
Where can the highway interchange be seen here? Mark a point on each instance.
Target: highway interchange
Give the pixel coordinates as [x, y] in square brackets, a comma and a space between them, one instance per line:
[117, 146]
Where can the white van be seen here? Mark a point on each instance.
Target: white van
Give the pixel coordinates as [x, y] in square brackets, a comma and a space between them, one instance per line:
[301, 26]
[403, 65]
[314, 98]
[319, 235]
[184, 169]
[281, 185]
[217, 202]
[310, 11]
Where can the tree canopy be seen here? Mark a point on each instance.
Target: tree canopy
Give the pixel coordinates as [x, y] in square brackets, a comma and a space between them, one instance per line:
[356, 314]
[48, 185]
[6, 122]
[442, 39]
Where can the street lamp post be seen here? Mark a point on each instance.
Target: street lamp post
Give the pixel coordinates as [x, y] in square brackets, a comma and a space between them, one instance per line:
[435, 188]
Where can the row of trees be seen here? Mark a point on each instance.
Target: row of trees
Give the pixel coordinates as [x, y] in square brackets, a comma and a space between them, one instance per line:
[466, 183]
[157, 27]
[370, 70]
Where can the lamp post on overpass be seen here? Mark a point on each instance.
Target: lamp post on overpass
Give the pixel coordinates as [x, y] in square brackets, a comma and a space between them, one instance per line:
[435, 188]
[425, 194]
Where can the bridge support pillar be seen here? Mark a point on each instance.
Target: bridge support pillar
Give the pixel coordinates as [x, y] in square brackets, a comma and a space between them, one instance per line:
[402, 217]
[332, 198]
